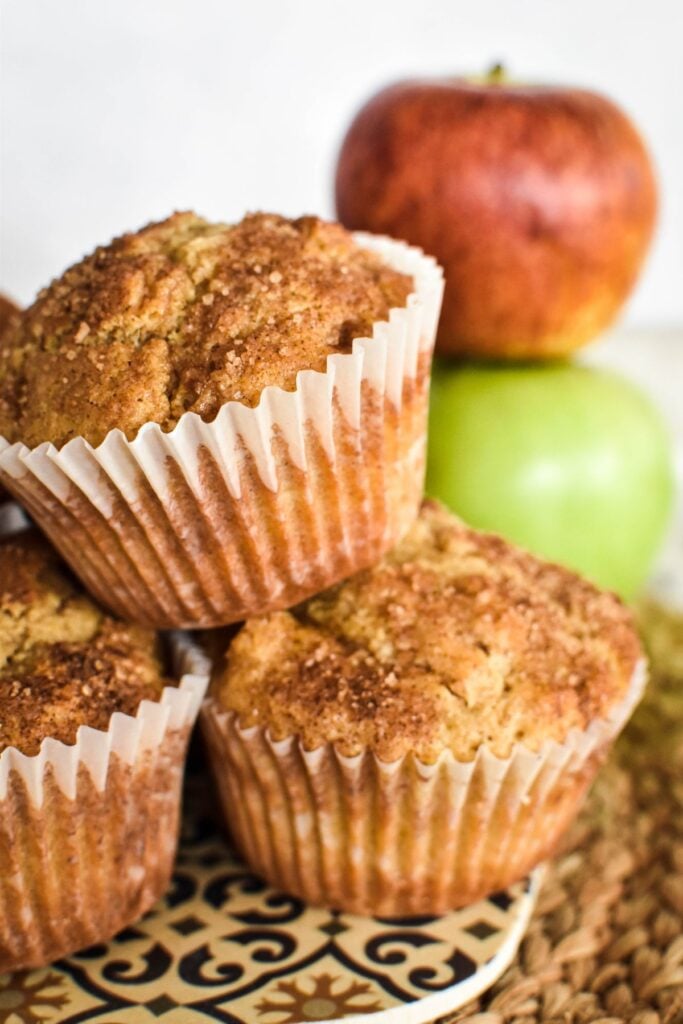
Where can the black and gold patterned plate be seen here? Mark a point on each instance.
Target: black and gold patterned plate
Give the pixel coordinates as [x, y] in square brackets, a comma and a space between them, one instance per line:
[222, 946]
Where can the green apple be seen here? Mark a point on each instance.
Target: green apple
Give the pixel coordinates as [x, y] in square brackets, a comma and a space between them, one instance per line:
[570, 462]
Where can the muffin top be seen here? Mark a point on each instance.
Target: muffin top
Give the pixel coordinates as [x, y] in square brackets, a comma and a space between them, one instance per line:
[186, 315]
[454, 640]
[9, 312]
[63, 663]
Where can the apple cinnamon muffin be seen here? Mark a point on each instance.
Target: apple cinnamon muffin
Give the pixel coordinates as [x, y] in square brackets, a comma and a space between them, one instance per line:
[63, 662]
[257, 388]
[9, 312]
[89, 793]
[184, 316]
[421, 734]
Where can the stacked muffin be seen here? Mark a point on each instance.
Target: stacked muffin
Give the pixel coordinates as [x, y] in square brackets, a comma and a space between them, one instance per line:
[93, 735]
[222, 424]
[421, 734]
[212, 422]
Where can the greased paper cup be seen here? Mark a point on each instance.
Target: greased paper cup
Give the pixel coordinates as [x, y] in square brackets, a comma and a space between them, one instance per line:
[88, 832]
[257, 510]
[401, 838]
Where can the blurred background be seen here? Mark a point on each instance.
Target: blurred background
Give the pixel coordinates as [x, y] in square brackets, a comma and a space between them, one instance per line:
[117, 113]
[114, 114]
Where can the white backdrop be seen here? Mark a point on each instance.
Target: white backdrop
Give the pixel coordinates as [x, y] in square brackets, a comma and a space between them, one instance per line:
[115, 112]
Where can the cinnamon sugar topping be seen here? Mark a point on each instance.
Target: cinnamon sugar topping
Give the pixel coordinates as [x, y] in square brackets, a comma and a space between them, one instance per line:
[63, 663]
[184, 316]
[454, 640]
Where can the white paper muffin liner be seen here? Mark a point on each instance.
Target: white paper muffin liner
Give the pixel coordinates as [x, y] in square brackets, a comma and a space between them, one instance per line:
[213, 522]
[88, 832]
[401, 838]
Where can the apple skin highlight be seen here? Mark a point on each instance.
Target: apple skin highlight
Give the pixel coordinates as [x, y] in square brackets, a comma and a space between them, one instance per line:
[539, 202]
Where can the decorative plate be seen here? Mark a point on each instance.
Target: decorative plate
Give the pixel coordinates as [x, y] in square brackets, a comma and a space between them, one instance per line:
[222, 946]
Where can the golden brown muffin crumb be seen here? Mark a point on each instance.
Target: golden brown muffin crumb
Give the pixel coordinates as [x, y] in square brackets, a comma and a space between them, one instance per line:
[454, 640]
[9, 313]
[8, 316]
[186, 315]
[63, 663]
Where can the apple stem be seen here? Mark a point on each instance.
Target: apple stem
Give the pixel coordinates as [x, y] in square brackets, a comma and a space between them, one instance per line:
[496, 74]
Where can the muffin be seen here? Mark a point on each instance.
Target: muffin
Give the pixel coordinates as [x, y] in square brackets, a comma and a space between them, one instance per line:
[215, 421]
[8, 312]
[92, 746]
[420, 735]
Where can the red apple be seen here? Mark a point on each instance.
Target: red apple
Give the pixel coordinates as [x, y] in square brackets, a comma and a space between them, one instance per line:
[538, 201]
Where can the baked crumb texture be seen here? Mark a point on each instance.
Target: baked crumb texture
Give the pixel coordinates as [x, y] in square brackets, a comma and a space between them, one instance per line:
[185, 316]
[352, 739]
[261, 507]
[9, 314]
[454, 640]
[63, 662]
[88, 826]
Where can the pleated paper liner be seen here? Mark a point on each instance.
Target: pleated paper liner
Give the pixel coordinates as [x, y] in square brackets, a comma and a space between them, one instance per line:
[257, 510]
[604, 943]
[222, 945]
[399, 838]
[88, 832]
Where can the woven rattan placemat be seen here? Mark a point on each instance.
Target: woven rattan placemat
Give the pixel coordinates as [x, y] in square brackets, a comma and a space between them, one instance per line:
[606, 942]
